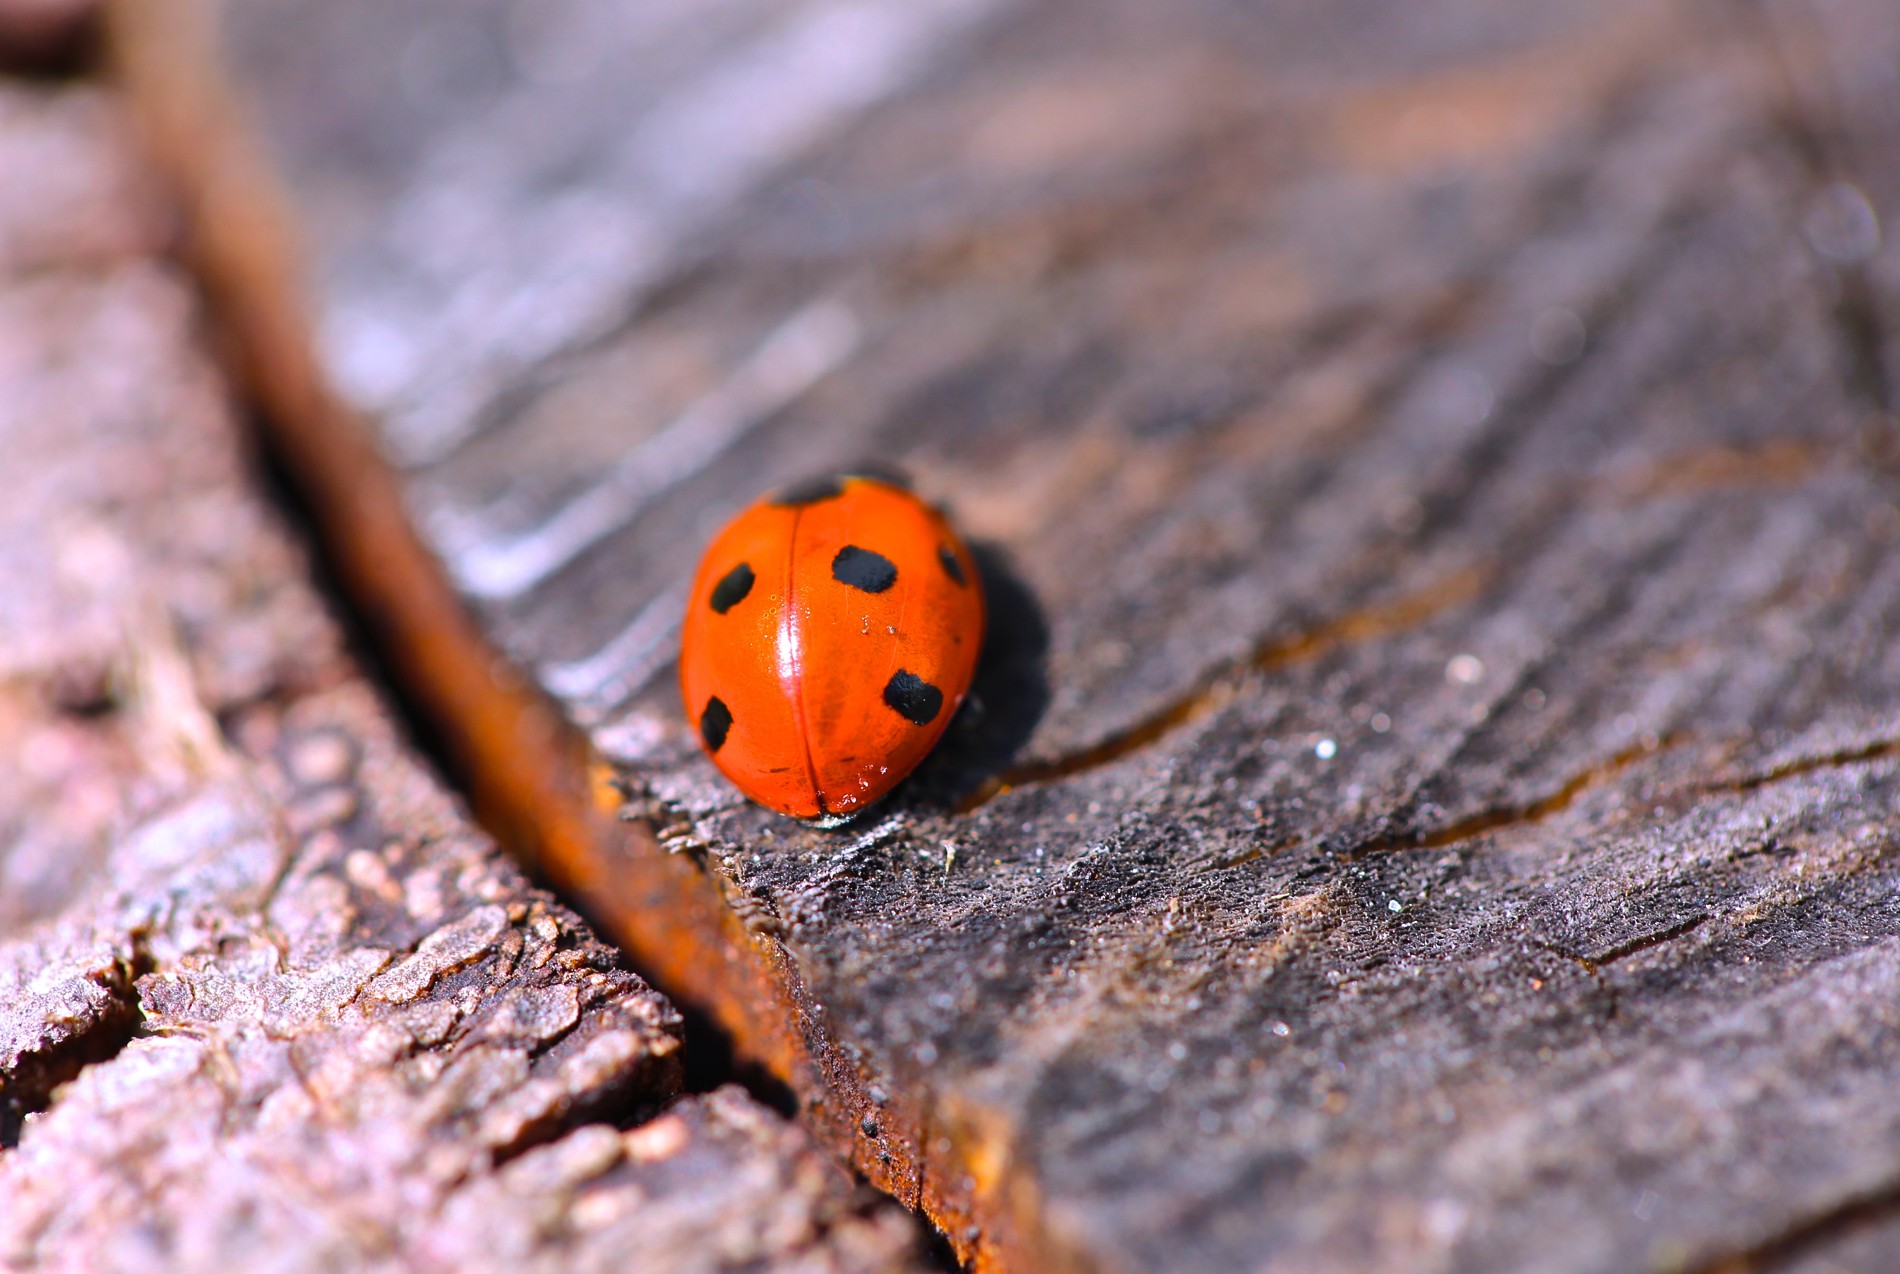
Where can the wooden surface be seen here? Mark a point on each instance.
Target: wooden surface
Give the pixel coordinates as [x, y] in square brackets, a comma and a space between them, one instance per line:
[268, 1000]
[1429, 802]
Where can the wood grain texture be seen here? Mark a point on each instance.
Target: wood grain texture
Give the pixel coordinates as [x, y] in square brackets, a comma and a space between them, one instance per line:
[1429, 803]
[267, 998]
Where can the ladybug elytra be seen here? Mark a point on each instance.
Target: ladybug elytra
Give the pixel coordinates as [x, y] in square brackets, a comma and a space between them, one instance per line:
[831, 633]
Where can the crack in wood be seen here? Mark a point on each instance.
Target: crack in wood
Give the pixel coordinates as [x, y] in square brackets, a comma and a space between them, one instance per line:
[1500, 818]
[522, 765]
[1593, 966]
[1219, 688]
[1877, 750]
[27, 1087]
[1633, 946]
[1809, 1235]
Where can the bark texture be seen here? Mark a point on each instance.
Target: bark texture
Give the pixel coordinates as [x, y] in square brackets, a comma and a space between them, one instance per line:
[268, 1000]
[1429, 801]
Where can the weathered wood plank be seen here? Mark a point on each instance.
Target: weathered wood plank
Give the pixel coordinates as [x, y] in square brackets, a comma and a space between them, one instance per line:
[1430, 806]
[267, 998]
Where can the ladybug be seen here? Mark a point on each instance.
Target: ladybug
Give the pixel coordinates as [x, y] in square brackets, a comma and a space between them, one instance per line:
[831, 633]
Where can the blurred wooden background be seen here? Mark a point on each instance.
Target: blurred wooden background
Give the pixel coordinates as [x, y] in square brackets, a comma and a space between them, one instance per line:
[1428, 804]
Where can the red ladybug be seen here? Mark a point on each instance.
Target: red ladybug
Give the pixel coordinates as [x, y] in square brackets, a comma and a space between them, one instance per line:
[832, 630]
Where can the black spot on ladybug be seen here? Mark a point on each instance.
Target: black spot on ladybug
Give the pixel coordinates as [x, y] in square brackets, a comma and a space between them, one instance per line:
[732, 590]
[863, 569]
[951, 567]
[913, 698]
[810, 491]
[716, 721]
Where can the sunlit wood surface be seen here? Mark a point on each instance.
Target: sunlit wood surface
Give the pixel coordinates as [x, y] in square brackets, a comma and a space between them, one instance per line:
[1429, 804]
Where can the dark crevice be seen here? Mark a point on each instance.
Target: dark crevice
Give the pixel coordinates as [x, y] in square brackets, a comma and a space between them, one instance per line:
[622, 1107]
[1503, 817]
[1613, 1007]
[1507, 816]
[1863, 329]
[1811, 1235]
[711, 1056]
[713, 1061]
[1669, 933]
[1594, 965]
[1877, 750]
[278, 487]
[1215, 689]
[938, 1253]
[29, 1087]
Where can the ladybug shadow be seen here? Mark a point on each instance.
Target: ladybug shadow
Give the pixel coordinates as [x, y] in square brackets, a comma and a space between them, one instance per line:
[1007, 698]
